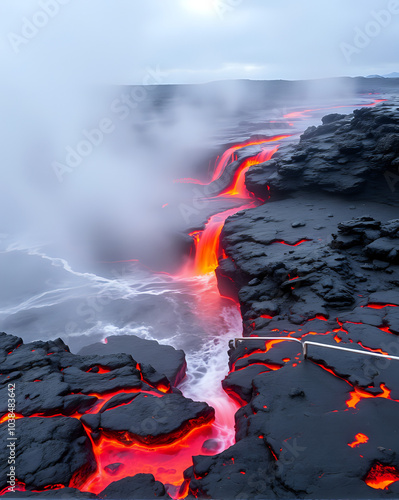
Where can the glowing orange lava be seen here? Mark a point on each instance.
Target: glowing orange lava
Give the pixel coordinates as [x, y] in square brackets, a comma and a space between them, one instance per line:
[380, 351]
[359, 439]
[230, 156]
[237, 188]
[6, 418]
[359, 394]
[268, 345]
[116, 460]
[381, 476]
[282, 242]
[306, 113]
[207, 242]
[224, 160]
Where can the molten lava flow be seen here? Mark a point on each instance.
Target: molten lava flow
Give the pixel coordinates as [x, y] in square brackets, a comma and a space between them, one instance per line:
[359, 394]
[230, 156]
[379, 306]
[359, 439]
[116, 460]
[237, 188]
[321, 317]
[207, 242]
[381, 476]
[18, 487]
[227, 155]
[282, 242]
[306, 113]
[386, 329]
[7, 417]
[380, 351]
[268, 345]
[99, 369]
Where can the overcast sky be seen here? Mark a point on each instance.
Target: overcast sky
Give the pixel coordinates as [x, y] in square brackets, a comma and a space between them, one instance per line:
[116, 41]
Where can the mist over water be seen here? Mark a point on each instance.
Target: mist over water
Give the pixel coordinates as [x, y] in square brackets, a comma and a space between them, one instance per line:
[108, 205]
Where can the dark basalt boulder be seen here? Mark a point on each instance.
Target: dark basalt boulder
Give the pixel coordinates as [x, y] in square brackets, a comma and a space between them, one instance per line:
[165, 359]
[140, 486]
[333, 117]
[8, 343]
[48, 452]
[245, 470]
[386, 249]
[151, 420]
[237, 381]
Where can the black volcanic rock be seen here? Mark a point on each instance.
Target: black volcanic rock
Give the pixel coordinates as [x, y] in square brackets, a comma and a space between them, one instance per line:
[301, 429]
[48, 451]
[386, 249]
[347, 154]
[294, 437]
[52, 380]
[149, 419]
[165, 359]
[333, 117]
[245, 470]
[114, 394]
[140, 486]
[237, 381]
[371, 373]
[304, 271]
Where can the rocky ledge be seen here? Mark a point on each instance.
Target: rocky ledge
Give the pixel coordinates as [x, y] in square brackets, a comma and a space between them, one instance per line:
[347, 154]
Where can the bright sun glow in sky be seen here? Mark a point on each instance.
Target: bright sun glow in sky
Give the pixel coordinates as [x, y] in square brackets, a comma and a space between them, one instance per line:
[200, 6]
[195, 41]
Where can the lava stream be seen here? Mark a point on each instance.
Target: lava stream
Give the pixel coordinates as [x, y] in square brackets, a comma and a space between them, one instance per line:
[237, 187]
[207, 242]
[229, 156]
[167, 463]
[306, 112]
